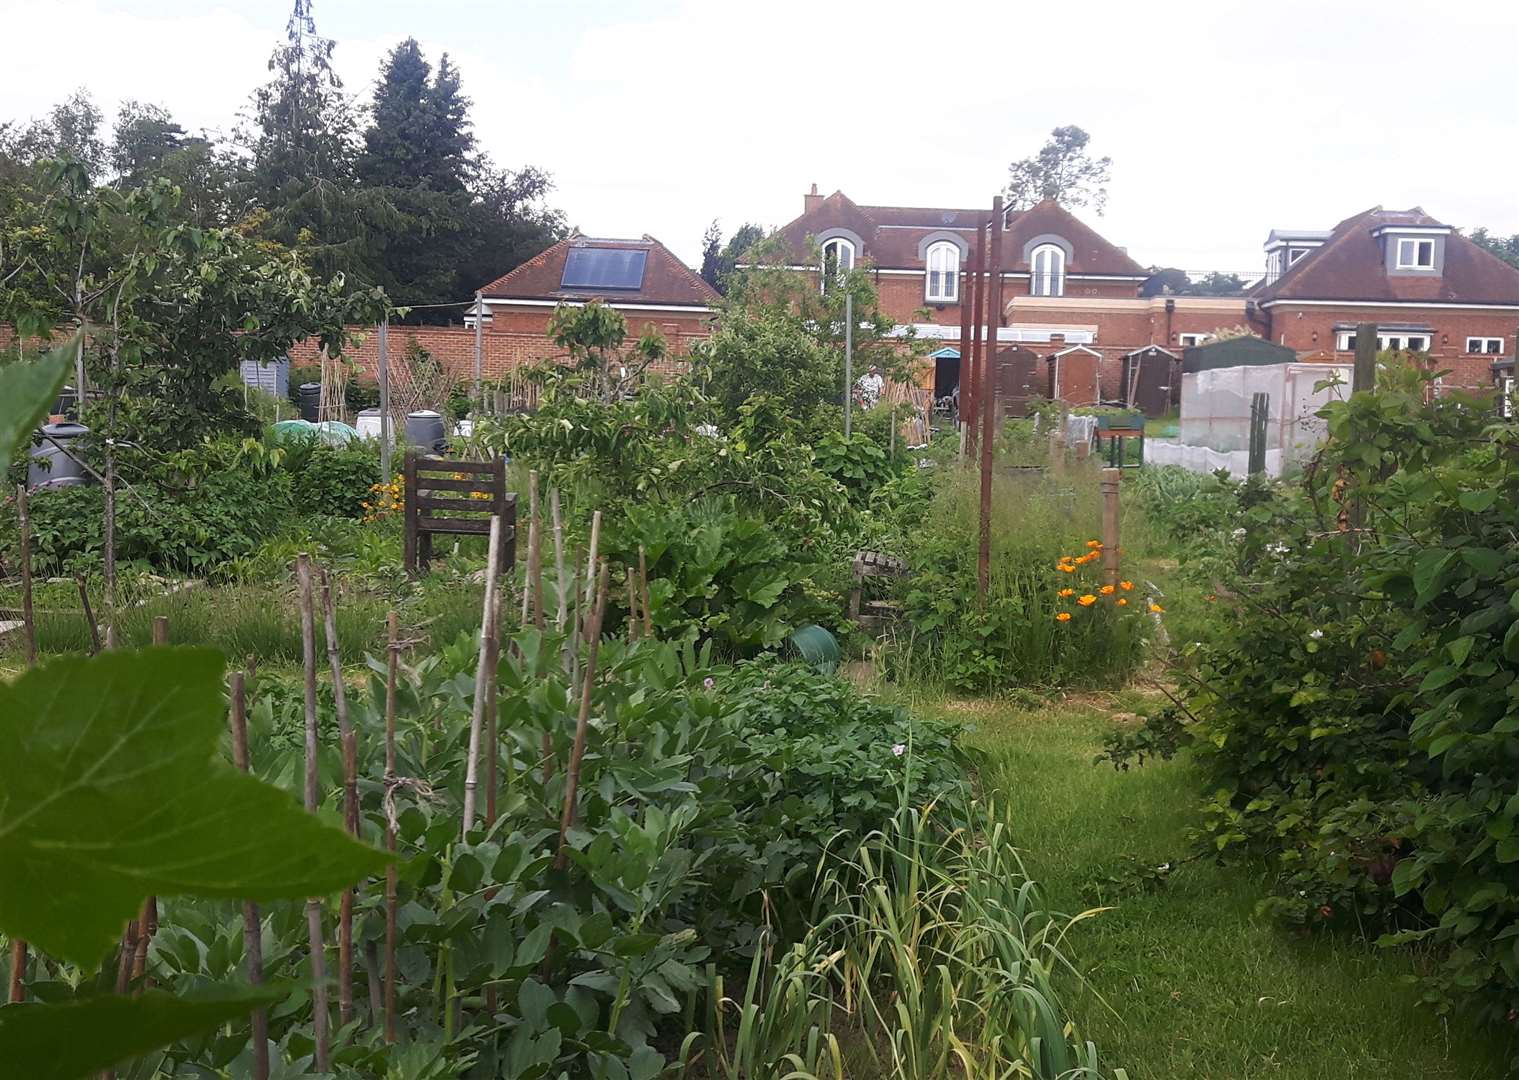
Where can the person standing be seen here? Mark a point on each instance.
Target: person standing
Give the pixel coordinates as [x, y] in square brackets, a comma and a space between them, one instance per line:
[870, 387]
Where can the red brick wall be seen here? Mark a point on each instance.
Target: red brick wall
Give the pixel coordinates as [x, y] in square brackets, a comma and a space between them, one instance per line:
[902, 296]
[1310, 328]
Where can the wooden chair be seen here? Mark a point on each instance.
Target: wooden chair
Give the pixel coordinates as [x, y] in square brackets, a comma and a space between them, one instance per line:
[456, 497]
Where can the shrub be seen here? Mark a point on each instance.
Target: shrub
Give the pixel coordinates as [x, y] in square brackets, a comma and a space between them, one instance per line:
[333, 480]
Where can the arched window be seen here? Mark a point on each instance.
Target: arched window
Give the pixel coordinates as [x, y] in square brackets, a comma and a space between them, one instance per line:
[838, 258]
[1048, 265]
[943, 273]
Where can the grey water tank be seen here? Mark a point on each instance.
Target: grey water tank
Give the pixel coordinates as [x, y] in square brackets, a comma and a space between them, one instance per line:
[53, 461]
[308, 399]
[424, 430]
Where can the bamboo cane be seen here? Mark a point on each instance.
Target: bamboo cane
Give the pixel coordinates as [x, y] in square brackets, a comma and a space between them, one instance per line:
[477, 713]
[392, 662]
[492, 736]
[16, 992]
[253, 937]
[643, 588]
[535, 553]
[89, 614]
[350, 795]
[632, 609]
[591, 585]
[147, 923]
[28, 622]
[319, 1017]
[564, 597]
[582, 722]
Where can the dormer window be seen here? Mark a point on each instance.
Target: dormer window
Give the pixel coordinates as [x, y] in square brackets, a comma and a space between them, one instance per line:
[943, 285]
[1294, 254]
[838, 257]
[1273, 266]
[1415, 254]
[1047, 263]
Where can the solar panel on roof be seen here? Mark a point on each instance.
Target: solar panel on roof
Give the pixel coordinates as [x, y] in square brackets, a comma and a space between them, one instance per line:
[603, 268]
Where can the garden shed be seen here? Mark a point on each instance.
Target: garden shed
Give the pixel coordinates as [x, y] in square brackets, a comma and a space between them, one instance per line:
[1149, 379]
[1076, 376]
[1219, 382]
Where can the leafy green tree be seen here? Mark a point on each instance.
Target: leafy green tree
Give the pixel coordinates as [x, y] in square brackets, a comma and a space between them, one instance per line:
[1506, 248]
[719, 260]
[1062, 170]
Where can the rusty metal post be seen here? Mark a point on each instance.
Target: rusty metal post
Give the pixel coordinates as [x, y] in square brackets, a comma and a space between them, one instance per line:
[966, 378]
[1110, 480]
[988, 393]
[972, 350]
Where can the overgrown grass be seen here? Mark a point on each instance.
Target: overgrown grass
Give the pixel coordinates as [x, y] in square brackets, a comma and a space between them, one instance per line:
[1184, 980]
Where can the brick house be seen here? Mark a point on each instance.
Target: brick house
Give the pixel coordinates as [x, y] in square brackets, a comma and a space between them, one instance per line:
[640, 278]
[1063, 285]
[1425, 286]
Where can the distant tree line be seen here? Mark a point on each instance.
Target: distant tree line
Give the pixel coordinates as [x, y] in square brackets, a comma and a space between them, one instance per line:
[393, 191]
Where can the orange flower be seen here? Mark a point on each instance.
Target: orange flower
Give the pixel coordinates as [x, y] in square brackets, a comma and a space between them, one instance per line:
[1064, 616]
[1121, 601]
[1211, 598]
[1067, 592]
[1065, 568]
[1156, 608]
[1094, 544]
[1125, 585]
[1086, 601]
[1106, 590]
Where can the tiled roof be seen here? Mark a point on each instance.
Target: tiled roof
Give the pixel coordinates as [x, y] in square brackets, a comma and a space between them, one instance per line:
[892, 235]
[666, 280]
[1351, 266]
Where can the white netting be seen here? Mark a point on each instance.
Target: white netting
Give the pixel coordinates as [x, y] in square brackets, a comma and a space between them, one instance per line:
[1215, 407]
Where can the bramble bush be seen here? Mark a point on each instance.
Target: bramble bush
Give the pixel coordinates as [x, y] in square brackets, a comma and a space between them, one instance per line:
[1356, 718]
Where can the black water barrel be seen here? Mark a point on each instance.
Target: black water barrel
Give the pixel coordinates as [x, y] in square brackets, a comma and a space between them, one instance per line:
[308, 399]
[52, 464]
[424, 430]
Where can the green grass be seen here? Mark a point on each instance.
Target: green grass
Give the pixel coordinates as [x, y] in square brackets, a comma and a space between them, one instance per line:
[1199, 985]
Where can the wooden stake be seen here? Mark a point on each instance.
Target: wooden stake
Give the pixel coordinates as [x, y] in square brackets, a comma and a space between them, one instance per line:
[28, 623]
[253, 936]
[582, 722]
[987, 395]
[492, 736]
[349, 743]
[89, 615]
[477, 713]
[643, 588]
[319, 1017]
[392, 663]
[1110, 481]
[591, 585]
[17, 989]
[632, 608]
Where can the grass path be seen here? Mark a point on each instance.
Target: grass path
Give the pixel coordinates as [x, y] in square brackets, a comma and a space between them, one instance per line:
[1201, 987]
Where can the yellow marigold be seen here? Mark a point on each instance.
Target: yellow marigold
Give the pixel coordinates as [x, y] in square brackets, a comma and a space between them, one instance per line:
[1106, 590]
[1067, 592]
[1086, 601]
[1125, 585]
[1121, 601]
[1156, 608]
[1064, 616]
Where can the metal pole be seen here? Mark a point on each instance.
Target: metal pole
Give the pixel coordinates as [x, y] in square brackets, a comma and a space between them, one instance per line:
[988, 393]
[973, 351]
[479, 342]
[963, 378]
[385, 424]
[848, 357]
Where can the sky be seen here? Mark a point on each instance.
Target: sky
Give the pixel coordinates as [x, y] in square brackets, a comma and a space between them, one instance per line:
[1223, 119]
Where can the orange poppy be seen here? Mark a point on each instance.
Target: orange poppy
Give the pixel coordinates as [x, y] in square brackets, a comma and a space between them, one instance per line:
[1106, 590]
[1067, 592]
[1086, 601]
[1156, 608]
[1121, 601]
[1125, 585]
[1064, 616]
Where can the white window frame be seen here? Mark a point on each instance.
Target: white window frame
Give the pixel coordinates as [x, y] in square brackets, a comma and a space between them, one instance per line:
[1394, 339]
[1273, 266]
[1051, 280]
[1414, 246]
[839, 245]
[948, 272]
[1294, 254]
[1197, 339]
[1482, 346]
[1507, 410]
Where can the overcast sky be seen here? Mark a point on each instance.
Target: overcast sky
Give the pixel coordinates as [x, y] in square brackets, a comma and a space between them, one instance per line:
[1224, 119]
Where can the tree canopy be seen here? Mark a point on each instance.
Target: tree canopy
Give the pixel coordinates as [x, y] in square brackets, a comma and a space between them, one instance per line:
[1062, 170]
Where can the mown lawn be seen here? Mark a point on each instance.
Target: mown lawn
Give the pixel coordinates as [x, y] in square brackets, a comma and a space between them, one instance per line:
[1200, 986]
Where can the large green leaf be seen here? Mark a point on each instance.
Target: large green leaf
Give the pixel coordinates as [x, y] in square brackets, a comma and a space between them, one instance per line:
[27, 389]
[111, 790]
[61, 1042]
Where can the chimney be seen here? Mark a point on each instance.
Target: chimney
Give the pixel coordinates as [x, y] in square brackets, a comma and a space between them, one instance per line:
[812, 200]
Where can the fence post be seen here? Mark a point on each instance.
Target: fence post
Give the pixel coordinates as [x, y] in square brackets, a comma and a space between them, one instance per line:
[385, 421]
[409, 495]
[1260, 406]
[1110, 481]
[1365, 374]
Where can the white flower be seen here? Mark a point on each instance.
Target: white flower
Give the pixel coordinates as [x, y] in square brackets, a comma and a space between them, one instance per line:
[899, 749]
[1277, 549]
[709, 682]
[1315, 634]
[1239, 534]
